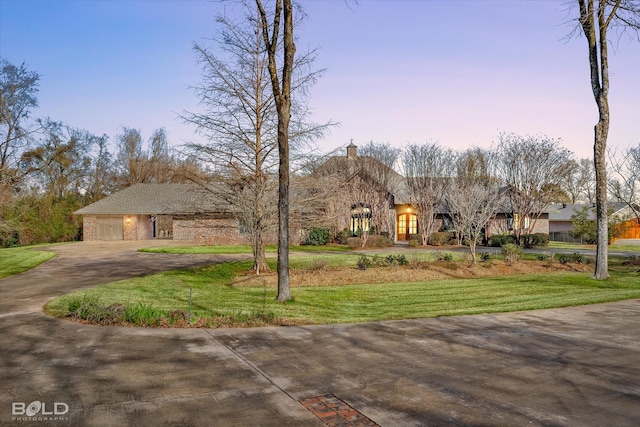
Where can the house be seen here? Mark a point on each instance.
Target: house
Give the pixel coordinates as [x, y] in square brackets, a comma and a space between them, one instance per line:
[390, 192]
[161, 211]
[561, 220]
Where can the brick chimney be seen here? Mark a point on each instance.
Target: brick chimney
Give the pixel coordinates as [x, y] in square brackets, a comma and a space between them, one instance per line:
[352, 150]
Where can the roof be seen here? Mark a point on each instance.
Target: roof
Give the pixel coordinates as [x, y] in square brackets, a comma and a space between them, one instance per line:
[367, 168]
[564, 211]
[153, 199]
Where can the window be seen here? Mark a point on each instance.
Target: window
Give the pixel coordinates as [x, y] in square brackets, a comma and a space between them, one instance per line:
[413, 224]
[360, 218]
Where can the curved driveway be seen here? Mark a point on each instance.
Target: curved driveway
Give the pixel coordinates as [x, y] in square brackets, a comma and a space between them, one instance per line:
[566, 367]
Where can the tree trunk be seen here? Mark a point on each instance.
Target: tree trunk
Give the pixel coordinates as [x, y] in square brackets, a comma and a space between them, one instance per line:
[599, 151]
[284, 292]
[284, 113]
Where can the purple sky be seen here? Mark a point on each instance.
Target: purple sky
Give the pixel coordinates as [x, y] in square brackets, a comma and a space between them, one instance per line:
[459, 72]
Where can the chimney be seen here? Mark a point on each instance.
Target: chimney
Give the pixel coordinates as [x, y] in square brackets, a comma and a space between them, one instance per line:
[352, 151]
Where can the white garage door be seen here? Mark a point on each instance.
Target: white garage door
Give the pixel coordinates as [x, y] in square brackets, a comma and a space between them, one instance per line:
[110, 229]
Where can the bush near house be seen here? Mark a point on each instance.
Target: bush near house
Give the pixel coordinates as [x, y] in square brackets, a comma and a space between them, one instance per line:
[534, 240]
[440, 238]
[498, 240]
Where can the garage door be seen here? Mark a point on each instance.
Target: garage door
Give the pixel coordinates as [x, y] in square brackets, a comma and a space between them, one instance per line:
[110, 229]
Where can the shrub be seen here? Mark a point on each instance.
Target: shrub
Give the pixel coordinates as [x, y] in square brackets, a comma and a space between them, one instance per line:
[443, 256]
[378, 241]
[317, 237]
[542, 257]
[575, 257]
[392, 260]
[512, 253]
[533, 240]
[498, 240]
[440, 238]
[485, 256]
[342, 236]
[363, 262]
[354, 242]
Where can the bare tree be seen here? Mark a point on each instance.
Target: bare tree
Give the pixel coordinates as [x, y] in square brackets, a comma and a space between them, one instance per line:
[18, 90]
[625, 184]
[60, 162]
[531, 167]
[131, 158]
[281, 85]
[473, 197]
[240, 121]
[377, 161]
[427, 168]
[596, 17]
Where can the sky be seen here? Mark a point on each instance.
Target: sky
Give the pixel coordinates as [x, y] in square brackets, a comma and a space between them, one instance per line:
[459, 72]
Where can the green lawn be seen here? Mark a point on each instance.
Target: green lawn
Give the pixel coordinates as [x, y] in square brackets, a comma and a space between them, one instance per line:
[17, 260]
[575, 246]
[214, 295]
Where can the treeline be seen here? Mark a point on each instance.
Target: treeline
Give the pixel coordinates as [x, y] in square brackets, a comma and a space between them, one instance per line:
[49, 169]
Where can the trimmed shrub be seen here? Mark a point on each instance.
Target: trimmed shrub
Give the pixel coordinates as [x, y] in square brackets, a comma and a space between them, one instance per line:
[498, 240]
[440, 238]
[512, 253]
[378, 241]
[353, 242]
[317, 237]
[533, 240]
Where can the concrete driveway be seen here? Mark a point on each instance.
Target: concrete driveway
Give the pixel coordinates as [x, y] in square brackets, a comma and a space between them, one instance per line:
[566, 367]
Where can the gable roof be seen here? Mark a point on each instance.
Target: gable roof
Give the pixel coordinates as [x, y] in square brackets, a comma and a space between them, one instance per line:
[368, 168]
[153, 199]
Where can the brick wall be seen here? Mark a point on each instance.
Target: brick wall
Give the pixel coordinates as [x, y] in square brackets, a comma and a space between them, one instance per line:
[130, 227]
[209, 231]
[89, 228]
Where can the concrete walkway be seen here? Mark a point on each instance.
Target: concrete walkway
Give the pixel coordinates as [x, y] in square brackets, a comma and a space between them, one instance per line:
[566, 367]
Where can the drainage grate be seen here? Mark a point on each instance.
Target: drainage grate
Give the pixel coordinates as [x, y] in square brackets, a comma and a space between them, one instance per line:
[336, 413]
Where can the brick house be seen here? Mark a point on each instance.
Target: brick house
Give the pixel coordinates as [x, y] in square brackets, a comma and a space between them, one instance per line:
[393, 189]
[161, 211]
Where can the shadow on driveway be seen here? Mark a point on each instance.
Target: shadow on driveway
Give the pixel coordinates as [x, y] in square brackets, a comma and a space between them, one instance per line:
[564, 367]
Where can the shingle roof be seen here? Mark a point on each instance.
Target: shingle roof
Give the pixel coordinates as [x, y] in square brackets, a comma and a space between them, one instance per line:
[152, 199]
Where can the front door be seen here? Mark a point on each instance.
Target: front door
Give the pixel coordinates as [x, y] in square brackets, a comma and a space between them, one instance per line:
[407, 225]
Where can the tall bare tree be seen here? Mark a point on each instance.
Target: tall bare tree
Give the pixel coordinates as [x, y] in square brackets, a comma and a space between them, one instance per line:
[531, 167]
[240, 122]
[596, 18]
[427, 168]
[281, 85]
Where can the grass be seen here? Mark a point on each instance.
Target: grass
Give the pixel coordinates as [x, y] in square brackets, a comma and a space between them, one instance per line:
[575, 246]
[17, 260]
[216, 296]
[240, 249]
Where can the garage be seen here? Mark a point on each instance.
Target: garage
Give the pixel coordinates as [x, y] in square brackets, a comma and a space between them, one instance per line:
[110, 228]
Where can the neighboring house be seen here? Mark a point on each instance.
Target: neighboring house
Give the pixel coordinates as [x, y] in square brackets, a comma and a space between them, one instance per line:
[561, 220]
[160, 211]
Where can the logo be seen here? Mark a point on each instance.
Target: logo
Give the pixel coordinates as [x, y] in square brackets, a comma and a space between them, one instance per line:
[39, 411]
